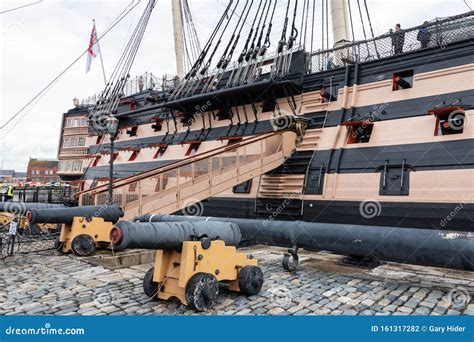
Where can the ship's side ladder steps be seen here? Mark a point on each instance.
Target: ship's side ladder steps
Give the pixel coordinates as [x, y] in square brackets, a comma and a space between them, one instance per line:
[282, 189]
[171, 188]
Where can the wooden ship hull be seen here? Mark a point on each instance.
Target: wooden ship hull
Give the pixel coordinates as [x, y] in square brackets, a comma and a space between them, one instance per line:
[388, 139]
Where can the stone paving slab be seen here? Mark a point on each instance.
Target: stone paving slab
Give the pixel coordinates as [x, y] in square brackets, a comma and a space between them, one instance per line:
[46, 284]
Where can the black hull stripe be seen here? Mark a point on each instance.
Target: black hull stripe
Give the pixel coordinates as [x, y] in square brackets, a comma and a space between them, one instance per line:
[401, 109]
[446, 155]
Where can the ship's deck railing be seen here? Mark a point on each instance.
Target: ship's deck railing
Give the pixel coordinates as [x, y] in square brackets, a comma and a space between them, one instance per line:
[442, 32]
[148, 81]
[137, 84]
[181, 184]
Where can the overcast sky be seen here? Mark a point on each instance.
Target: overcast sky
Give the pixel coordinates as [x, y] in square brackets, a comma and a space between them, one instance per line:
[39, 41]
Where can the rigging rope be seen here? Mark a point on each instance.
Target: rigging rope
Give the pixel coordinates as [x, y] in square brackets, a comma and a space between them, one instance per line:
[260, 37]
[294, 30]
[249, 36]
[231, 52]
[220, 39]
[362, 20]
[350, 18]
[254, 47]
[208, 45]
[368, 17]
[41, 93]
[282, 41]
[312, 25]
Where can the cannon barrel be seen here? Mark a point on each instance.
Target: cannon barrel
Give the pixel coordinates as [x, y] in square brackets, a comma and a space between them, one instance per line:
[23, 207]
[171, 235]
[449, 249]
[110, 213]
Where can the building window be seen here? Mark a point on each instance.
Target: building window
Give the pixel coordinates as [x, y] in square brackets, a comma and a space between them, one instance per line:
[161, 151]
[402, 80]
[360, 133]
[77, 165]
[83, 122]
[192, 150]
[81, 142]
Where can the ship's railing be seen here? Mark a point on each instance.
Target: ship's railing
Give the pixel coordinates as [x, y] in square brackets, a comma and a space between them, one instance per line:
[441, 33]
[137, 84]
[182, 184]
[148, 81]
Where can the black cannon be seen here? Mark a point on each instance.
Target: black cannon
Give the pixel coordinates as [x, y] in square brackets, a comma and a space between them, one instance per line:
[110, 213]
[84, 228]
[23, 207]
[449, 249]
[192, 258]
[171, 235]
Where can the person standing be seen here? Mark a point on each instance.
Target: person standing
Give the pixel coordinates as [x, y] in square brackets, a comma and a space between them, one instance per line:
[424, 36]
[398, 39]
[9, 194]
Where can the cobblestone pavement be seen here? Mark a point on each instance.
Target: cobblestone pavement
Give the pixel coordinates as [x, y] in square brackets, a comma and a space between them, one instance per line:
[45, 284]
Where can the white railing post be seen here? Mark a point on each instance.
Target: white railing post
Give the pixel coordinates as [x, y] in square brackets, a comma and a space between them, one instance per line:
[209, 174]
[178, 176]
[238, 161]
[139, 197]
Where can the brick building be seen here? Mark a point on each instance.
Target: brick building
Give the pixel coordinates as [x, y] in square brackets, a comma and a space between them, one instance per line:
[42, 171]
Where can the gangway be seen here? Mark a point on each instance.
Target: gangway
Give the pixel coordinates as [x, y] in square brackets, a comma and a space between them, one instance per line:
[173, 187]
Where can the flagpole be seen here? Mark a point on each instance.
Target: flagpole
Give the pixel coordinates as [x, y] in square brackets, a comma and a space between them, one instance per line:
[100, 54]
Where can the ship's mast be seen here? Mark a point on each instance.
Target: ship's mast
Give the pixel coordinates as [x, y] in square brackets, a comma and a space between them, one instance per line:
[340, 22]
[178, 37]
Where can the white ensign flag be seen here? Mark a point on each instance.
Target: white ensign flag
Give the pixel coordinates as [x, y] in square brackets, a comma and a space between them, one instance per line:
[93, 49]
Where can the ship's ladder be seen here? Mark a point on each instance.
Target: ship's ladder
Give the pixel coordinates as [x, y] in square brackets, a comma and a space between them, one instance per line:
[181, 184]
